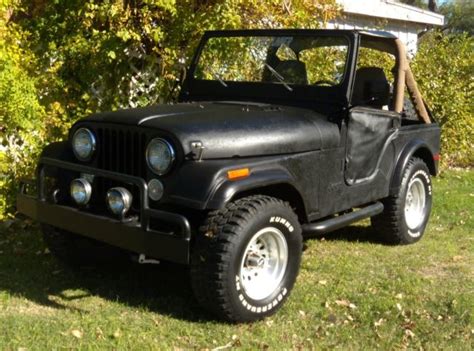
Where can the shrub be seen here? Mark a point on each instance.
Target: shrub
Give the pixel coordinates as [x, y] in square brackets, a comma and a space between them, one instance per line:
[22, 131]
[444, 69]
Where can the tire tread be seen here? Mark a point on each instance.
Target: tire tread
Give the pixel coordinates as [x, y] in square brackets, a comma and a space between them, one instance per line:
[214, 247]
[387, 223]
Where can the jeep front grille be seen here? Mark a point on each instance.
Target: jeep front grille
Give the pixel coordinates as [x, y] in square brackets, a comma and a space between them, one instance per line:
[122, 150]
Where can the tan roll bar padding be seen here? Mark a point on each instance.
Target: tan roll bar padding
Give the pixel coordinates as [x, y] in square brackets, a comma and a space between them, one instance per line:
[404, 77]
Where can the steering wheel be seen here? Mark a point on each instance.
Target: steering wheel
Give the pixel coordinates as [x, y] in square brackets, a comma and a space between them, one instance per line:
[325, 82]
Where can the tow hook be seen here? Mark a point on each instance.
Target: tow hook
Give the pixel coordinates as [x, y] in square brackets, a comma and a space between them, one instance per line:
[142, 259]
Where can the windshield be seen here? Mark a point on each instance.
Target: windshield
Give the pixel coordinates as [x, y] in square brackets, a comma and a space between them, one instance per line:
[285, 60]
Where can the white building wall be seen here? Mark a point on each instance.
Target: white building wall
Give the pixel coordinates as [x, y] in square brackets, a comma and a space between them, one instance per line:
[402, 20]
[407, 32]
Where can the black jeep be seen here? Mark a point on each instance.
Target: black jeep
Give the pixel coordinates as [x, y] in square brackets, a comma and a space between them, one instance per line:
[277, 135]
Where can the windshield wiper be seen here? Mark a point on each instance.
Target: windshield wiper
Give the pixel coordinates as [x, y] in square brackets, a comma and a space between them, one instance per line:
[278, 76]
[218, 78]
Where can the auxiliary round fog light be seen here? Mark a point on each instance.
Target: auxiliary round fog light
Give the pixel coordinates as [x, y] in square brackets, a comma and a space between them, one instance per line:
[81, 191]
[155, 189]
[119, 201]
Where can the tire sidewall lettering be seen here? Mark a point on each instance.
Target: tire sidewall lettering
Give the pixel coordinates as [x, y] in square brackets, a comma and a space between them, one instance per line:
[425, 176]
[426, 180]
[268, 304]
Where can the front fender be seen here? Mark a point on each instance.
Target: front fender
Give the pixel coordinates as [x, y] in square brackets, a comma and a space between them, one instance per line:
[205, 185]
[258, 179]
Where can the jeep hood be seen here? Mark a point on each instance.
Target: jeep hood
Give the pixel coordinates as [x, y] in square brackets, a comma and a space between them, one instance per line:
[233, 129]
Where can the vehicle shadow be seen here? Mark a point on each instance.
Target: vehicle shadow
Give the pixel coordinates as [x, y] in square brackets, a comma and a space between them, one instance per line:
[27, 271]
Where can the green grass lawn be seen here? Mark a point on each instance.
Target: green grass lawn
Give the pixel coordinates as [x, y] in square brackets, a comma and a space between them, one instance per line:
[352, 293]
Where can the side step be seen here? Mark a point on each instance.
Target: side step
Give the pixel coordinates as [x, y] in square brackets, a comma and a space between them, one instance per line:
[341, 221]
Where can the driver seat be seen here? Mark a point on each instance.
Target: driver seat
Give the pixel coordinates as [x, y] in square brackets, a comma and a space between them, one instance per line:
[371, 88]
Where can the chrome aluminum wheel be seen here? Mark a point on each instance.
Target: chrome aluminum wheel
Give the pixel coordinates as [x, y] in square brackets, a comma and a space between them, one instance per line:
[264, 263]
[415, 203]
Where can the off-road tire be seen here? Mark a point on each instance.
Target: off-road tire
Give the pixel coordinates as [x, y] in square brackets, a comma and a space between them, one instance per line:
[78, 251]
[219, 252]
[392, 224]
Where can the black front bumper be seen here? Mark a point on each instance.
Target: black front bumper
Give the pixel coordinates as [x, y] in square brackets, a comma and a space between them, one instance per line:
[132, 236]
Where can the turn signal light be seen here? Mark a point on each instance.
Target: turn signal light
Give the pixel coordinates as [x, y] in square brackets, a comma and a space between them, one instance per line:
[238, 173]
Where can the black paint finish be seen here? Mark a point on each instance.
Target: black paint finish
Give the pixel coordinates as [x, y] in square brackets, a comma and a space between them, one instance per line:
[233, 129]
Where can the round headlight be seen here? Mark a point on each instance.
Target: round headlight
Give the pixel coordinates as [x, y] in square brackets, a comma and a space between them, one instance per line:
[83, 144]
[81, 191]
[159, 156]
[119, 200]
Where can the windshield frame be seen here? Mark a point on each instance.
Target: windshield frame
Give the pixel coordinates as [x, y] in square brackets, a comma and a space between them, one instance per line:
[198, 89]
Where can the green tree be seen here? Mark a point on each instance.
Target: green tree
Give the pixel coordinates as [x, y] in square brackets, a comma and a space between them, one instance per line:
[459, 16]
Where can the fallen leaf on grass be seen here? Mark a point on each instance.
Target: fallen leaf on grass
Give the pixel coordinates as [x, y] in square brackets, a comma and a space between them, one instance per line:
[379, 322]
[408, 324]
[223, 347]
[77, 333]
[99, 334]
[236, 341]
[117, 334]
[345, 303]
[399, 296]
[157, 323]
[322, 282]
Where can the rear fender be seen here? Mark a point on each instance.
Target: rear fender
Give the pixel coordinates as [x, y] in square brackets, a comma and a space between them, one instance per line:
[416, 148]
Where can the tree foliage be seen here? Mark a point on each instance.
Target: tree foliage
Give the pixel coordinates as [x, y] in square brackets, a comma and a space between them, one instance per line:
[444, 69]
[22, 123]
[459, 16]
[113, 54]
